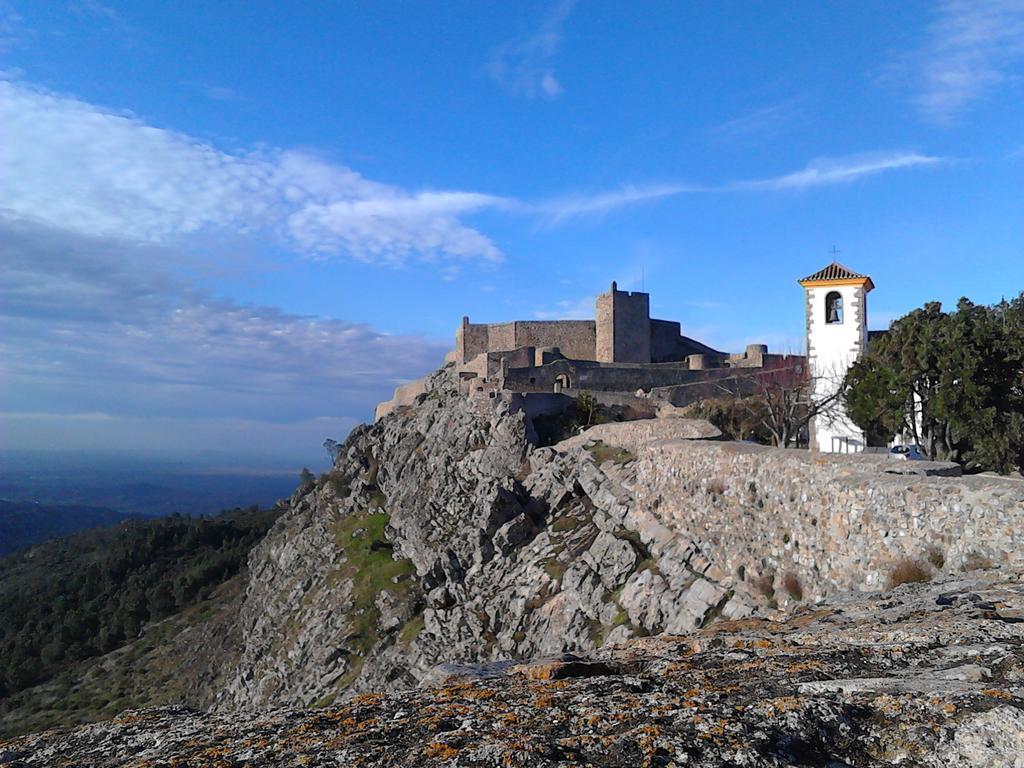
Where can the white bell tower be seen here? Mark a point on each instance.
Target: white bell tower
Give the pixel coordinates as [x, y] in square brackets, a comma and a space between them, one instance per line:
[837, 335]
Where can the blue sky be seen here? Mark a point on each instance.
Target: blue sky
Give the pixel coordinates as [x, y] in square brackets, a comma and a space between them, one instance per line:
[233, 227]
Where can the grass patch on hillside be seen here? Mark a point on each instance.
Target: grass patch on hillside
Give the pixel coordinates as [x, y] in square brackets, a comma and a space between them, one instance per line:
[337, 482]
[372, 569]
[411, 630]
[566, 523]
[647, 564]
[554, 568]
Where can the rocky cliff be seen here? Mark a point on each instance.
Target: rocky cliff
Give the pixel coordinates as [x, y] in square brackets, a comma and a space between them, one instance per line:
[442, 535]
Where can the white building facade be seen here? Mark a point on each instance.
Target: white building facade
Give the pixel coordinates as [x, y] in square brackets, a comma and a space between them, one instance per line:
[837, 335]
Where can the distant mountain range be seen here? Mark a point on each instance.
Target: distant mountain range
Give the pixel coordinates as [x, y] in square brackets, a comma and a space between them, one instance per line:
[153, 493]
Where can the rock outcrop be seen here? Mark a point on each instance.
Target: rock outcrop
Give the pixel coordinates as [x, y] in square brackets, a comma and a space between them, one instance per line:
[925, 675]
[442, 535]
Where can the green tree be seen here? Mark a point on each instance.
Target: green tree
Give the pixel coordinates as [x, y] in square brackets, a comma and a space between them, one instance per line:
[953, 381]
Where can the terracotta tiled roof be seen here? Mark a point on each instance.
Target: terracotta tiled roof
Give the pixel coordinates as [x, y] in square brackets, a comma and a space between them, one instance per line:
[834, 271]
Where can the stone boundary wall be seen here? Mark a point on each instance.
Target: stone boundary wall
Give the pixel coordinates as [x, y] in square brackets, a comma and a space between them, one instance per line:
[836, 522]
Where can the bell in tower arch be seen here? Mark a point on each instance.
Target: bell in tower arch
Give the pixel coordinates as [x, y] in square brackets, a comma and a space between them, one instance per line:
[833, 308]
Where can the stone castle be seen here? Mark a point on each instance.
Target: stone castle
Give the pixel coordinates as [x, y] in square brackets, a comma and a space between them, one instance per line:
[622, 357]
[626, 358]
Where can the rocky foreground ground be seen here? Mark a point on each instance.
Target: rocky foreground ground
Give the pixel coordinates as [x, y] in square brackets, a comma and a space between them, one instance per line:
[925, 675]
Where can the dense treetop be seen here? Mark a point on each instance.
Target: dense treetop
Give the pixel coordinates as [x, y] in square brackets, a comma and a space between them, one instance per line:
[952, 380]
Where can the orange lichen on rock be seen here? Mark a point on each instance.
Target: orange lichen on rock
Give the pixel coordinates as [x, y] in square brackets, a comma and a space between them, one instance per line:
[997, 693]
[439, 750]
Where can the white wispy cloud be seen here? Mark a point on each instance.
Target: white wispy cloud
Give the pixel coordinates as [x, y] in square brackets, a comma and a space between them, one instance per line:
[525, 66]
[969, 50]
[838, 170]
[820, 172]
[758, 124]
[69, 163]
[559, 210]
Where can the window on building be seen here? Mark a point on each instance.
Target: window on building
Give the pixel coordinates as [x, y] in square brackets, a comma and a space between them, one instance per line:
[561, 382]
[833, 308]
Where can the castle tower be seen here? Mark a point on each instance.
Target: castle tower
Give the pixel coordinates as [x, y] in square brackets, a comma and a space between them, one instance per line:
[623, 327]
[837, 335]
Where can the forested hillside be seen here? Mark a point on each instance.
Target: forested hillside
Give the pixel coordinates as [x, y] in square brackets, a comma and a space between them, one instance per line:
[24, 523]
[87, 594]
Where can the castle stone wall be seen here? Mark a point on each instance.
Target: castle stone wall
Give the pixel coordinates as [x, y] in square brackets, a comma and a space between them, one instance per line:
[669, 345]
[676, 383]
[471, 339]
[608, 377]
[574, 338]
[501, 337]
[604, 336]
[622, 332]
[665, 337]
[499, 362]
[631, 327]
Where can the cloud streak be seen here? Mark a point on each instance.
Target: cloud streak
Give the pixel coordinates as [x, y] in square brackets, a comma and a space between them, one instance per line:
[70, 164]
[841, 170]
[819, 173]
[969, 48]
[757, 125]
[525, 66]
[560, 210]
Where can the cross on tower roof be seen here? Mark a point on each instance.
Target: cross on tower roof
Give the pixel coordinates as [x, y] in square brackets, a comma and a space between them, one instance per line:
[834, 252]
